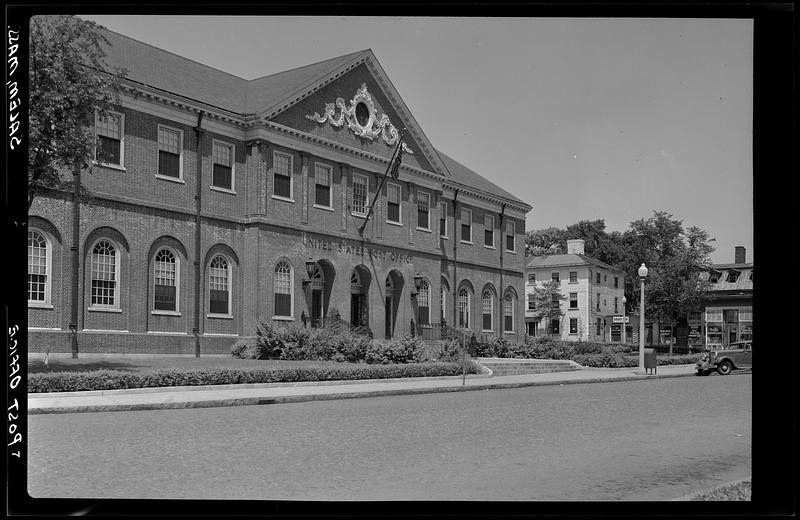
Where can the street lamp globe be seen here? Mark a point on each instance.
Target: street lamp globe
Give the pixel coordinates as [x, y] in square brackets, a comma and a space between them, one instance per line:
[643, 271]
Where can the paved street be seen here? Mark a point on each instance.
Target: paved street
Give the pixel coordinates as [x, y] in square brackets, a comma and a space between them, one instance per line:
[635, 440]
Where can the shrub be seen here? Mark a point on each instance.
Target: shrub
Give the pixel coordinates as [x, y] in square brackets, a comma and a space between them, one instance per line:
[268, 338]
[449, 351]
[111, 379]
[248, 348]
[405, 350]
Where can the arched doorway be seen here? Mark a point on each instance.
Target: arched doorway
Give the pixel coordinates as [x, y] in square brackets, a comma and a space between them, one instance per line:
[393, 291]
[319, 285]
[359, 289]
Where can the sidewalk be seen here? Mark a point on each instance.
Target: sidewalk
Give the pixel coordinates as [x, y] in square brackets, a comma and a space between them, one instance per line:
[256, 394]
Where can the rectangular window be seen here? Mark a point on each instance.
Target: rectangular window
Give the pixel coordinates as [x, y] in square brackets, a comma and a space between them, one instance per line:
[598, 277]
[555, 277]
[598, 301]
[714, 315]
[746, 314]
[466, 225]
[555, 300]
[222, 158]
[573, 325]
[531, 303]
[282, 166]
[573, 276]
[732, 276]
[359, 195]
[322, 192]
[508, 314]
[165, 286]
[511, 231]
[170, 148]
[616, 282]
[599, 326]
[554, 326]
[443, 219]
[393, 196]
[488, 230]
[423, 210]
[110, 131]
[573, 300]
[531, 279]
[616, 305]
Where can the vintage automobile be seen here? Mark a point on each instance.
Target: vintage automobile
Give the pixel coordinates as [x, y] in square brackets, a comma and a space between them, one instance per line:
[738, 354]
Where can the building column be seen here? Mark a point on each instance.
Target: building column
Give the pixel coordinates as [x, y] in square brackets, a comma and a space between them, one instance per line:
[345, 175]
[305, 183]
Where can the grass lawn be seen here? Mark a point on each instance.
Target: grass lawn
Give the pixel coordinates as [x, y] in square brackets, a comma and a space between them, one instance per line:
[132, 365]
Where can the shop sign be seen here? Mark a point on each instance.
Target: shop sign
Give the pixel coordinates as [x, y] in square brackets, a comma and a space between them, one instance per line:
[621, 319]
[713, 329]
[349, 247]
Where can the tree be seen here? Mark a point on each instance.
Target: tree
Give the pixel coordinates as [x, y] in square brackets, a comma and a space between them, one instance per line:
[547, 302]
[675, 258]
[69, 83]
[546, 241]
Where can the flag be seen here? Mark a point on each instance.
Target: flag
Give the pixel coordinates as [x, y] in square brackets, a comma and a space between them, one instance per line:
[397, 158]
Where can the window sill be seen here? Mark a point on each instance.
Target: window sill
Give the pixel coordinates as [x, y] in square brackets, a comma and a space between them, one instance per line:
[284, 199]
[489, 247]
[117, 167]
[179, 180]
[426, 230]
[39, 305]
[283, 318]
[359, 215]
[465, 242]
[510, 251]
[509, 332]
[165, 313]
[220, 316]
[487, 331]
[444, 237]
[393, 223]
[326, 208]
[104, 309]
[222, 190]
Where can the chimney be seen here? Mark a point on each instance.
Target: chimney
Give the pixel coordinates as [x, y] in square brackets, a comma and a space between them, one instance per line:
[739, 255]
[575, 247]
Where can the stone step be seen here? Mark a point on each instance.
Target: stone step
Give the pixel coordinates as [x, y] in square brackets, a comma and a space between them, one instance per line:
[526, 366]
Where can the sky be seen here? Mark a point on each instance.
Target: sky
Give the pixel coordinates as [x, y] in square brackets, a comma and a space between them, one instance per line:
[582, 118]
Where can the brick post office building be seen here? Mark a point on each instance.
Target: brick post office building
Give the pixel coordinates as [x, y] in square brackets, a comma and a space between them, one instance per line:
[218, 202]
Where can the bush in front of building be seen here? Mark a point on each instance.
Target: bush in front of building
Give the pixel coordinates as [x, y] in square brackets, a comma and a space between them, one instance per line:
[248, 348]
[297, 343]
[404, 350]
[113, 379]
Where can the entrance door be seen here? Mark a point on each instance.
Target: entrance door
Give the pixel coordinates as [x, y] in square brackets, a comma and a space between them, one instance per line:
[388, 317]
[358, 311]
[316, 306]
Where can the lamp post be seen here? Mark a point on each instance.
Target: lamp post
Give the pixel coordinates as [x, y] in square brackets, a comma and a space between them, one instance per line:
[623, 318]
[642, 276]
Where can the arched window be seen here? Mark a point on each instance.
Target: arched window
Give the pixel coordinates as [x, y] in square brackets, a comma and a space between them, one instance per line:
[487, 304]
[219, 286]
[165, 276]
[443, 300]
[38, 268]
[424, 303]
[283, 289]
[464, 306]
[104, 269]
[508, 313]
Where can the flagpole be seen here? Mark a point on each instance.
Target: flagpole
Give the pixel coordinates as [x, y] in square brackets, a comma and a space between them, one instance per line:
[383, 181]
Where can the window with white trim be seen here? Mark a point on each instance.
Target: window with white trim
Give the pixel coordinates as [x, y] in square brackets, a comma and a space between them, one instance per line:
[443, 302]
[488, 230]
[282, 285]
[219, 285]
[714, 315]
[573, 325]
[393, 194]
[532, 279]
[531, 302]
[573, 277]
[511, 230]
[464, 308]
[222, 159]
[110, 130]
[165, 290]
[466, 225]
[104, 268]
[573, 300]
[424, 303]
[359, 195]
[39, 254]
[508, 313]
[487, 303]
[282, 166]
[323, 195]
[170, 152]
[443, 219]
[423, 210]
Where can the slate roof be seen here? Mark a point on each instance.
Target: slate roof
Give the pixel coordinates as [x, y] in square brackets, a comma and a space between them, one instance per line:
[567, 260]
[169, 72]
[742, 283]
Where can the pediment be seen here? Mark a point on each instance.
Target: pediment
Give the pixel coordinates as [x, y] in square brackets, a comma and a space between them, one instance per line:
[357, 110]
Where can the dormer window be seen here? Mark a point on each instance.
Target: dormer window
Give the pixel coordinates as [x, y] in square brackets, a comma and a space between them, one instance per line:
[733, 276]
[713, 276]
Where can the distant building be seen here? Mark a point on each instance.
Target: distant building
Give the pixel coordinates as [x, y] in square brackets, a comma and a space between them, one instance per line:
[728, 316]
[592, 291]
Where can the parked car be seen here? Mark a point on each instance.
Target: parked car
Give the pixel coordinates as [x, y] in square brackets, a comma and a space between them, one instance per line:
[725, 360]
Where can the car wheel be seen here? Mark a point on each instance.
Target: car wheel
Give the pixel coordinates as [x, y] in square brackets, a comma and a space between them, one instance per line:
[725, 368]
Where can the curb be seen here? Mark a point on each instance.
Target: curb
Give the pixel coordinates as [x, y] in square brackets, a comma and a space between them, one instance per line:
[250, 401]
[696, 494]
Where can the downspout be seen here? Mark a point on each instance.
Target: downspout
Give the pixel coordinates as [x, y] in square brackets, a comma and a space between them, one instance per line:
[502, 290]
[455, 261]
[76, 236]
[198, 130]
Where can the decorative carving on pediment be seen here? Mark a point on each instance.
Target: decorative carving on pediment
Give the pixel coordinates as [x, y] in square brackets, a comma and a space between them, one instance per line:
[361, 118]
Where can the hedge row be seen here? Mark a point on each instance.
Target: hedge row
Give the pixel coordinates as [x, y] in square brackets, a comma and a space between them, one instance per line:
[113, 380]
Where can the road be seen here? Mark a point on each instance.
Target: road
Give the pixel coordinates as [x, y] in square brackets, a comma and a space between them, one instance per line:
[637, 440]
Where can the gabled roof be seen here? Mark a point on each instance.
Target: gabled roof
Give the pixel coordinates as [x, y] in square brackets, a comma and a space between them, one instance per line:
[569, 260]
[269, 95]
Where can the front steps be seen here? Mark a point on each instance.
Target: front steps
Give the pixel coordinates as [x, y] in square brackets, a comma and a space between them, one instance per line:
[514, 367]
